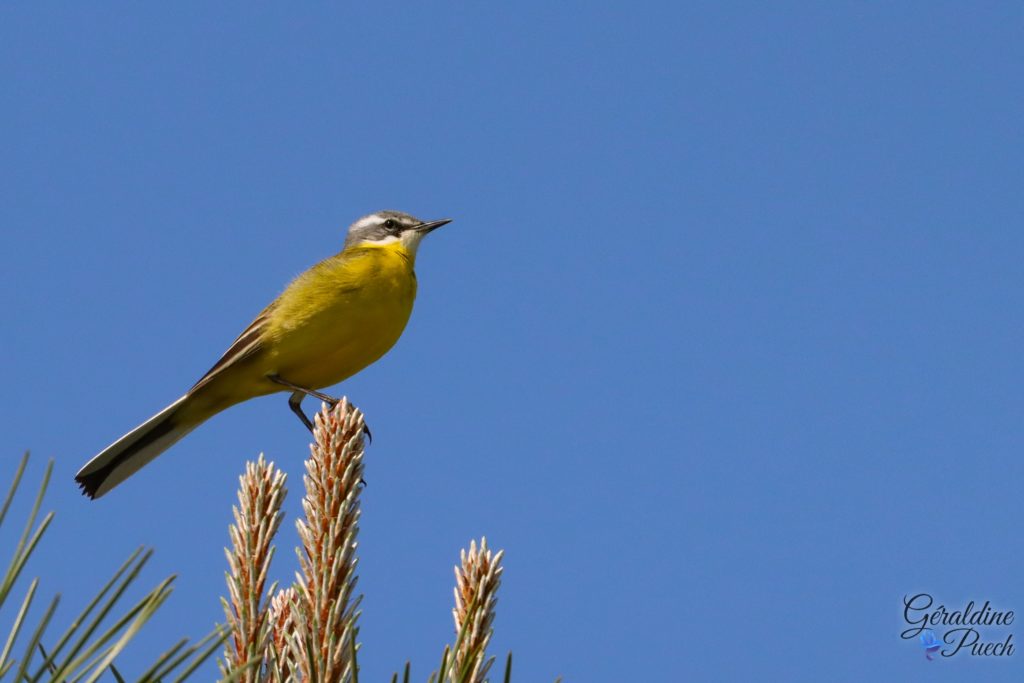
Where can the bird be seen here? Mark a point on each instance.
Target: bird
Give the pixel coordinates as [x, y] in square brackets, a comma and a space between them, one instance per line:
[329, 323]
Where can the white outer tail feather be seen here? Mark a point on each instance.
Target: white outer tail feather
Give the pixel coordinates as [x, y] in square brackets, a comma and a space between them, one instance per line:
[133, 462]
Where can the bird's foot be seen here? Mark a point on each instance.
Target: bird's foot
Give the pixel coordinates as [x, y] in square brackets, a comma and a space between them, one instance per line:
[332, 404]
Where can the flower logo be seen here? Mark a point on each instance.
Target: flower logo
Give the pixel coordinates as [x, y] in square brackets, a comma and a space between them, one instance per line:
[930, 645]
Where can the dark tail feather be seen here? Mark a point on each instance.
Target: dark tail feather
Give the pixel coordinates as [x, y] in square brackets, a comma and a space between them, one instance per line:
[127, 455]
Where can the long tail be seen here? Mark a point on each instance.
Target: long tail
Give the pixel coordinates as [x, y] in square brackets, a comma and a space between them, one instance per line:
[127, 455]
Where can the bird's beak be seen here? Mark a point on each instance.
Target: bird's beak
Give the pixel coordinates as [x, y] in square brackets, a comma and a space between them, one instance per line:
[432, 225]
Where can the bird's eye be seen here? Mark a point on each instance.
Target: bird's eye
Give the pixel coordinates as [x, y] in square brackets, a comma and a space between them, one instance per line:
[389, 224]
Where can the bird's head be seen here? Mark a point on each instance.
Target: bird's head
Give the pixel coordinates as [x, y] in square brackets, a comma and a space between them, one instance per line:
[387, 227]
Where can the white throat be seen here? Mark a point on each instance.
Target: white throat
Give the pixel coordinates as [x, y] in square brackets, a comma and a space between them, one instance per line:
[410, 239]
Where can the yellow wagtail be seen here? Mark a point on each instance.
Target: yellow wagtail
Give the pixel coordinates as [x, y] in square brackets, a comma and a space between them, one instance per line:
[328, 324]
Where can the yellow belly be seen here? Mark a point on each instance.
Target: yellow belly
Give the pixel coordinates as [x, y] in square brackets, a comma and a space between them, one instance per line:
[340, 316]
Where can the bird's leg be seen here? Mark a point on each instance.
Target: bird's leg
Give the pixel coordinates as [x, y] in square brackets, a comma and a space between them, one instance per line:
[299, 393]
[295, 403]
[329, 400]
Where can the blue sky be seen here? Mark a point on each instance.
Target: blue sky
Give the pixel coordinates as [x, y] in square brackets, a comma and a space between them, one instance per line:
[723, 346]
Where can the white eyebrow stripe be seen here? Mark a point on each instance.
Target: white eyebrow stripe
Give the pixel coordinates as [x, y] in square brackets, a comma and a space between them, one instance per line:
[372, 219]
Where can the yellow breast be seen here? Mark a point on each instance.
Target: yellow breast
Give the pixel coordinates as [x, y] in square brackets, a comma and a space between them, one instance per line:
[341, 315]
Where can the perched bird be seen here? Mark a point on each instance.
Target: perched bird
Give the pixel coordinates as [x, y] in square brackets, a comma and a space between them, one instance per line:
[328, 324]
